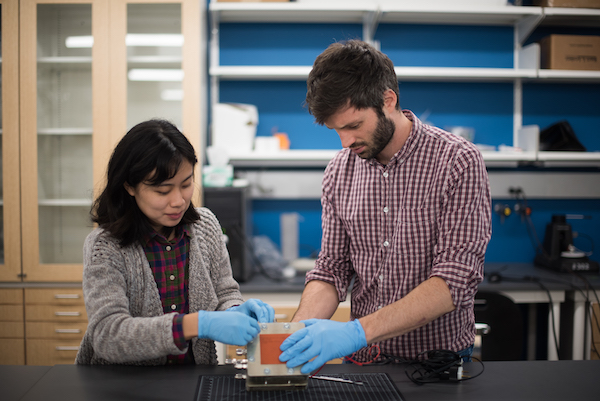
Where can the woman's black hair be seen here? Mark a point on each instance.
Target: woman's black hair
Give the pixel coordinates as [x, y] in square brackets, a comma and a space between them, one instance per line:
[151, 152]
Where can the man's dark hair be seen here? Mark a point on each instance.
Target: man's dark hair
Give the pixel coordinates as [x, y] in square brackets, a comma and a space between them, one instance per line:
[351, 73]
[151, 152]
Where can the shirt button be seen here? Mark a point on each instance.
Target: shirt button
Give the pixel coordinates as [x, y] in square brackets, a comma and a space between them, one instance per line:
[172, 277]
[385, 174]
[173, 307]
[386, 209]
[386, 243]
[381, 277]
[379, 307]
[168, 248]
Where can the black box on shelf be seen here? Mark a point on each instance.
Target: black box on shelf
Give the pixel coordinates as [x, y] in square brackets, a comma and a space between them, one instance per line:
[232, 207]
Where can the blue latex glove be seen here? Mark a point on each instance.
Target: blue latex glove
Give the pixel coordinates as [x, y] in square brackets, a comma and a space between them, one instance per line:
[256, 309]
[233, 328]
[323, 339]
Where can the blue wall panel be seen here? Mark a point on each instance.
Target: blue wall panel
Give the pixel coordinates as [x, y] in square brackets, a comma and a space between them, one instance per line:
[447, 46]
[280, 44]
[513, 239]
[488, 107]
[579, 104]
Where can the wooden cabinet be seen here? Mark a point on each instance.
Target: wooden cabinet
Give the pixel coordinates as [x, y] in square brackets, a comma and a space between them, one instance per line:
[76, 75]
[90, 70]
[55, 321]
[12, 343]
[10, 215]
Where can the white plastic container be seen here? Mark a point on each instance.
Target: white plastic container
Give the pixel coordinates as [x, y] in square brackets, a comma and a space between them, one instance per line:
[234, 127]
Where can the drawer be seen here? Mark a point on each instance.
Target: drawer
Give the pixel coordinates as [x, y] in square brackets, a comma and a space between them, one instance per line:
[57, 331]
[12, 351]
[55, 313]
[54, 296]
[51, 352]
[12, 330]
[11, 296]
[11, 313]
[285, 313]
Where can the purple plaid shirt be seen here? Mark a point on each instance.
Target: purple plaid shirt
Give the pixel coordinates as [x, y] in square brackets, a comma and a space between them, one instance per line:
[169, 263]
[426, 213]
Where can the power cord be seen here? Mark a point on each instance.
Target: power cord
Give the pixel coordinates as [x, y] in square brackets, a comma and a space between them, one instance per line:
[440, 365]
[428, 367]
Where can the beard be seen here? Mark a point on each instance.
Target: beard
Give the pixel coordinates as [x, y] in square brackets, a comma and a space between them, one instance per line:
[381, 137]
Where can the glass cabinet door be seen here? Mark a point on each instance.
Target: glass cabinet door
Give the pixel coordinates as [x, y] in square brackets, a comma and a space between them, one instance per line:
[57, 130]
[10, 234]
[161, 46]
[64, 130]
[154, 54]
[80, 94]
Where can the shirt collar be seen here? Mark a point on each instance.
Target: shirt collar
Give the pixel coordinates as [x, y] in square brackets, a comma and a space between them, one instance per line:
[155, 236]
[409, 146]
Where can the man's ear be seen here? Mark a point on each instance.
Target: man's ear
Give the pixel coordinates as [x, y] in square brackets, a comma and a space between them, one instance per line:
[389, 100]
[129, 189]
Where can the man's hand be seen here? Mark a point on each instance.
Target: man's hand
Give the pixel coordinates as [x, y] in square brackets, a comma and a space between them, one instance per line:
[257, 309]
[323, 339]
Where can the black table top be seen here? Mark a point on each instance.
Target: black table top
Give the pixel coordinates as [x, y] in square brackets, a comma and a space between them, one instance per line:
[518, 380]
[514, 277]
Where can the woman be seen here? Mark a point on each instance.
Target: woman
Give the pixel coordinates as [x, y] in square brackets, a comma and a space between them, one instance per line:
[157, 279]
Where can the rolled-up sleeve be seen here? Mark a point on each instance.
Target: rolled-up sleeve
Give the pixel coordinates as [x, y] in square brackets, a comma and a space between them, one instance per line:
[464, 228]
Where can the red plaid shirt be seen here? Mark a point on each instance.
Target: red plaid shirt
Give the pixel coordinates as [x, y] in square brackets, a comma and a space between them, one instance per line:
[169, 263]
[426, 213]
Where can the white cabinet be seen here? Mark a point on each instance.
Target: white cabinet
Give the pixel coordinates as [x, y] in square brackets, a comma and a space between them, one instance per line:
[525, 68]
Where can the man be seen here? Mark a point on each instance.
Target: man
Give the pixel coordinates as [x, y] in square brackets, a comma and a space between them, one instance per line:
[406, 213]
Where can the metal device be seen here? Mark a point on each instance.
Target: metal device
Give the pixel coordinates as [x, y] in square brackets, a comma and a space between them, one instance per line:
[264, 371]
[558, 251]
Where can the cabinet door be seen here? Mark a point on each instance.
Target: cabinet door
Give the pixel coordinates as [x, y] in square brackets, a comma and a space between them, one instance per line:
[64, 103]
[77, 59]
[156, 58]
[10, 232]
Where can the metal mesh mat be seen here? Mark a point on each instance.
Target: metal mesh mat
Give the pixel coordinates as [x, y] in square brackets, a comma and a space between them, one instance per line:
[376, 387]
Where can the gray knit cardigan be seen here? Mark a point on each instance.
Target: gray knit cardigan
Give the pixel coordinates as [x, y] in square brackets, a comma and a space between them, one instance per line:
[126, 322]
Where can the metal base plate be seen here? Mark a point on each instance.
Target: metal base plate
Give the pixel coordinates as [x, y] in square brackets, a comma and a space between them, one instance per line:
[264, 371]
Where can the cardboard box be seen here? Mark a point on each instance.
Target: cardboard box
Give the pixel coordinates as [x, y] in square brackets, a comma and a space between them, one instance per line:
[568, 3]
[570, 52]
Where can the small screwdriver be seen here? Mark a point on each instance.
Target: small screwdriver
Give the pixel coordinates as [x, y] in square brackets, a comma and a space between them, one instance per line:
[337, 379]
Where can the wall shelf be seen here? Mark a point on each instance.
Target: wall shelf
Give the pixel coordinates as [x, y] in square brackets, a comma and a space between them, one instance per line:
[524, 20]
[66, 131]
[65, 202]
[320, 158]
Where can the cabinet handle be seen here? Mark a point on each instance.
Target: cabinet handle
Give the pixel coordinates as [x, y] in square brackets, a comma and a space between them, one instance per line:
[67, 348]
[281, 316]
[67, 331]
[67, 313]
[66, 296]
